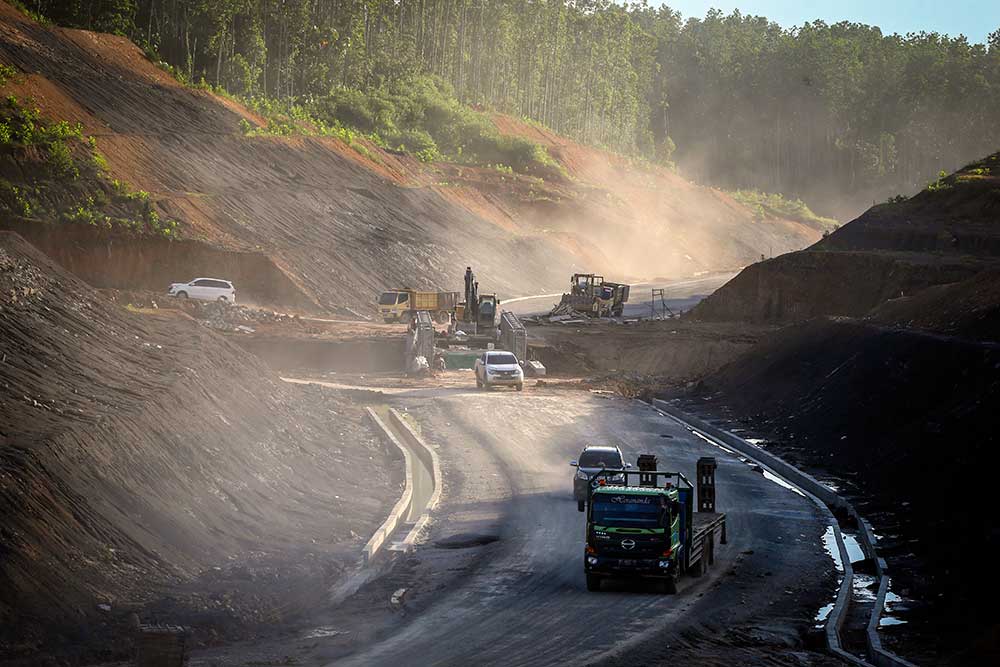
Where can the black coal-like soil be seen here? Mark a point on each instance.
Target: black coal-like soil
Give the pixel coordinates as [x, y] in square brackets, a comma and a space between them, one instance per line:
[150, 467]
[907, 420]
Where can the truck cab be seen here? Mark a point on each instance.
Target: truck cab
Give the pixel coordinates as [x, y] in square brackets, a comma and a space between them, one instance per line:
[392, 304]
[642, 524]
[632, 531]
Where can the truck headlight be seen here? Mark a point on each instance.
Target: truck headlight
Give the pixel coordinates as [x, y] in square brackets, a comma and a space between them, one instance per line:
[592, 560]
[582, 475]
[664, 563]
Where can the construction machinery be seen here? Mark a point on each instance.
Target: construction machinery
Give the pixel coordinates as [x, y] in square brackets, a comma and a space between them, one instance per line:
[642, 523]
[591, 295]
[401, 305]
[479, 311]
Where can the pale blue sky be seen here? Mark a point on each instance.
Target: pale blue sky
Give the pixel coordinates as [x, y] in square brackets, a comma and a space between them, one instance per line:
[973, 18]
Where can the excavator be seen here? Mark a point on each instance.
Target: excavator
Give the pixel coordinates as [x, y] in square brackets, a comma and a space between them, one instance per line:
[478, 311]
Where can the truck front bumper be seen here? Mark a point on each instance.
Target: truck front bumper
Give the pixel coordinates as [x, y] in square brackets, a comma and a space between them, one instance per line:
[629, 567]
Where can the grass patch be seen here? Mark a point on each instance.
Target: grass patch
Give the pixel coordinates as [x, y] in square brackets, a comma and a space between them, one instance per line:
[770, 205]
[64, 177]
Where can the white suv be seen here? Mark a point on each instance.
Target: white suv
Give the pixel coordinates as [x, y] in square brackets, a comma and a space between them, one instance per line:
[205, 289]
[495, 369]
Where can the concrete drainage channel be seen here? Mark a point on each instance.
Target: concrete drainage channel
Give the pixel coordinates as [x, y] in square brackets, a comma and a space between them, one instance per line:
[835, 506]
[422, 492]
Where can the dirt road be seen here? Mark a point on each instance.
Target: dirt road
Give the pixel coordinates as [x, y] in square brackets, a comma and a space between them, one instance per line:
[680, 295]
[516, 593]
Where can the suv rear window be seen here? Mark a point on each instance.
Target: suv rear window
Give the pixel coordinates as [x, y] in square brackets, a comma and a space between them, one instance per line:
[597, 458]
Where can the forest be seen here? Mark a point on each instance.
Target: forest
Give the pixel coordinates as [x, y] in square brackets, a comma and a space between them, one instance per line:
[841, 115]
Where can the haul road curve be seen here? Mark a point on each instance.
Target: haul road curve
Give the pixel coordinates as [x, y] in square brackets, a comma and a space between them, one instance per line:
[521, 600]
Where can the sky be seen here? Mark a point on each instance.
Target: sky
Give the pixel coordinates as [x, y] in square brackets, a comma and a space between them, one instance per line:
[973, 18]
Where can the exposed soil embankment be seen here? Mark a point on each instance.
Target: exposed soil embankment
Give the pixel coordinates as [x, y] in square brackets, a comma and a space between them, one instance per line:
[806, 284]
[909, 418]
[672, 351]
[147, 465]
[944, 234]
[343, 224]
[131, 262]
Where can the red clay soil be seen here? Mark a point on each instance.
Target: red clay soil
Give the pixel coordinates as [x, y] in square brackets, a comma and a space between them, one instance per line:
[149, 466]
[344, 226]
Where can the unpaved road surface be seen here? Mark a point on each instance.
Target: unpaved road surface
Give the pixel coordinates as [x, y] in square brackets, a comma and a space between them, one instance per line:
[679, 295]
[520, 598]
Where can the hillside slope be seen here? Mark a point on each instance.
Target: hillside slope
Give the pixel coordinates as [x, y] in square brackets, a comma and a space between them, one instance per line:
[150, 466]
[898, 401]
[944, 234]
[341, 224]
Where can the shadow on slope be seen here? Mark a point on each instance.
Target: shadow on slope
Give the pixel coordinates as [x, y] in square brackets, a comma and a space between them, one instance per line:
[140, 454]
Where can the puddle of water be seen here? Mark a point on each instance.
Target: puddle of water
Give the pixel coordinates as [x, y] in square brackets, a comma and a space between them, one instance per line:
[886, 621]
[865, 588]
[780, 482]
[830, 544]
[823, 612]
[323, 631]
[854, 550]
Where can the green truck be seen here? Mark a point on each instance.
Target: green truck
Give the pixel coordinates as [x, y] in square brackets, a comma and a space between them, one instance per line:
[643, 524]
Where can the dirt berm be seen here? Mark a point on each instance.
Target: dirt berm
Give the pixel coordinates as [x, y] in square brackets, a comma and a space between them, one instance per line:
[149, 466]
[898, 403]
[906, 420]
[943, 234]
[341, 223]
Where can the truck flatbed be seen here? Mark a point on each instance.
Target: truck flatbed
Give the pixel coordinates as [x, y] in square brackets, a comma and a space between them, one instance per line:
[708, 530]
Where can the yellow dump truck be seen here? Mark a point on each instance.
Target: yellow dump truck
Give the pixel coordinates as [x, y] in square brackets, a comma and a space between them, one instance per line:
[402, 304]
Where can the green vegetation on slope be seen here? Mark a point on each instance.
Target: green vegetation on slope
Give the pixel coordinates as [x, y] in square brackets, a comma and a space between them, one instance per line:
[768, 205]
[49, 171]
[823, 112]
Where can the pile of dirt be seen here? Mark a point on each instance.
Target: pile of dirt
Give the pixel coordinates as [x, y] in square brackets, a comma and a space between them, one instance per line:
[150, 467]
[671, 351]
[970, 309]
[946, 233]
[340, 224]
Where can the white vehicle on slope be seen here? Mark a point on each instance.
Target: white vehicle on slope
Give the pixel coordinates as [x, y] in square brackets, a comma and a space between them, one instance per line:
[498, 369]
[204, 289]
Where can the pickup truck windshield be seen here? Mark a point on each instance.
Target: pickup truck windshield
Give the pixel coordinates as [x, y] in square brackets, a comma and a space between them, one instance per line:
[628, 511]
[502, 359]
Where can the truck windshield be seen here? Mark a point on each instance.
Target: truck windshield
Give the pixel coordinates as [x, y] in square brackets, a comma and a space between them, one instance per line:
[629, 511]
[387, 298]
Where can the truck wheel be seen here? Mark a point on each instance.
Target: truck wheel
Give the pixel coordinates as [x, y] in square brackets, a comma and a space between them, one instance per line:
[670, 585]
[182, 295]
[593, 582]
[479, 385]
[581, 505]
[520, 387]
[442, 317]
[389, 320]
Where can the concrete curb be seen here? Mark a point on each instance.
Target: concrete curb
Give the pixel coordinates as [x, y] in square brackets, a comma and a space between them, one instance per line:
[824, 497]
[402, 506]
[432, 461]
